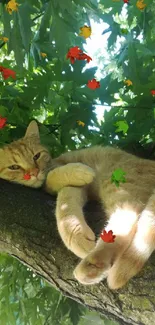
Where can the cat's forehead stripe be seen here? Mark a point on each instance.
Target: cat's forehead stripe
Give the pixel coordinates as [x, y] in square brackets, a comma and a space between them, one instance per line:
[19, 152]
[24, 149]
[13, 156]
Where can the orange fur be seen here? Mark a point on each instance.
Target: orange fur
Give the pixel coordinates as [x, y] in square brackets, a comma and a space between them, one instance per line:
[21, 152]
[86, 174]
[124, 206]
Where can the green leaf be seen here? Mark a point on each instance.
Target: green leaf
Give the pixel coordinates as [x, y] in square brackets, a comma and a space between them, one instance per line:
[45, 22]
[3, 111]
[25, 24]
[76, 311]
[122, 126]
[61, 33]
[133, 63]
[115, 30]
[118, 176]
[6, 21]
[15, 43]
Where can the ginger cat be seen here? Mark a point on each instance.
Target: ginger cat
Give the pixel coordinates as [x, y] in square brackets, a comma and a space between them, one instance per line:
[86, 174]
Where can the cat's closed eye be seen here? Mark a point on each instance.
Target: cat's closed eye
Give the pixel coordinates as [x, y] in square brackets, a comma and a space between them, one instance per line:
[37, 156]
[14, 167]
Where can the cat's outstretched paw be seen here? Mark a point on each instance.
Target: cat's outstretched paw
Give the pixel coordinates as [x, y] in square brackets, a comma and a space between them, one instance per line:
[91, 270]
[78, 238]
[83, 174]
[82, 242]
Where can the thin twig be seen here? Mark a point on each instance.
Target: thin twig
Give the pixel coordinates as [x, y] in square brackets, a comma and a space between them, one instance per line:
[38, 16]
[1, 45]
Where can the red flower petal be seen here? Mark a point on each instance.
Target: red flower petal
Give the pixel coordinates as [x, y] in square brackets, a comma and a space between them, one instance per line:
[84, 56]
[73, 53]
[153, 91]
[2, 122]
[107, 237]
[76, 53]
[72, 60]
[6, 73]
[93, 84]
[27, 176]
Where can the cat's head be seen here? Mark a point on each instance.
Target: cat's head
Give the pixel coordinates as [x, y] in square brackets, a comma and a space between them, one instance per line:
[25, 156]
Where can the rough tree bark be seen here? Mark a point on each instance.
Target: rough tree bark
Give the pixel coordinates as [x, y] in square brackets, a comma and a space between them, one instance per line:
[28, 232]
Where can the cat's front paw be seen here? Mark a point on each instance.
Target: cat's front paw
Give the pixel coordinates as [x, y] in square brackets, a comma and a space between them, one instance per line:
[82, 242]
[92, 269]
[82, 174]
[78, 238]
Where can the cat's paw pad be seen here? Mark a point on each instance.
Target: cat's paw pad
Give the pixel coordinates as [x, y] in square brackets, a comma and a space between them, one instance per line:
[84, 174]
[91, 270]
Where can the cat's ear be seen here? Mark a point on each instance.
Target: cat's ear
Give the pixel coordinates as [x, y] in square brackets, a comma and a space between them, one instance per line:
[32, 130]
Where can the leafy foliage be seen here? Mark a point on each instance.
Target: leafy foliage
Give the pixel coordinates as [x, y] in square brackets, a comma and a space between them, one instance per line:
[51, 90]
[29, 300]
[55, 92]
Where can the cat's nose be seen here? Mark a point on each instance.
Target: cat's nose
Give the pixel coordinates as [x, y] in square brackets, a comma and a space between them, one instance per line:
[34, 172]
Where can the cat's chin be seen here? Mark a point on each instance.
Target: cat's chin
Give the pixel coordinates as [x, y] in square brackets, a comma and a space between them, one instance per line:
[35, 182]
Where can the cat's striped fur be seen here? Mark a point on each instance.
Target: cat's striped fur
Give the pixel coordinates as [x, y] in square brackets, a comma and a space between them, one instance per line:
[86, 174]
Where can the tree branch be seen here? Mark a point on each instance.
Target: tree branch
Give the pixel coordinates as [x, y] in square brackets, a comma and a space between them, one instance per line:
[28, 232]
[1, 45]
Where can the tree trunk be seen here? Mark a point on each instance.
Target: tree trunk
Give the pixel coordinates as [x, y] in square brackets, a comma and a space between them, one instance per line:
[28, 232]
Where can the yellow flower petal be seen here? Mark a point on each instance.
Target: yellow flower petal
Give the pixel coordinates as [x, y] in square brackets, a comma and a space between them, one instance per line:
[4, 39]
[11, 6]
[128, 82]
[43, 54]
[140, 5]
[85, 31]
[80, 123]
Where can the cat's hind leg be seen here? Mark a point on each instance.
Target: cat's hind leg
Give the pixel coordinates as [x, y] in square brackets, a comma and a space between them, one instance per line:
[72, 227]
[99, 261]
[142, 246]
